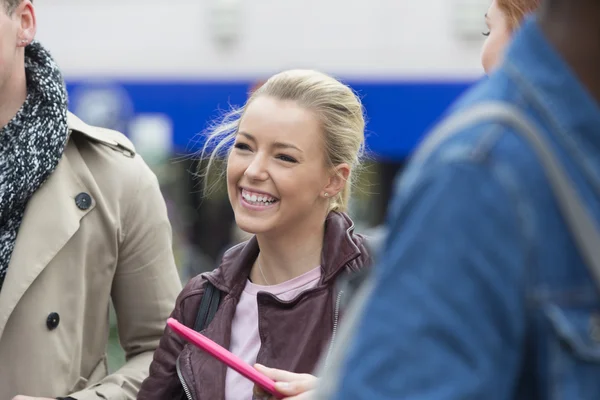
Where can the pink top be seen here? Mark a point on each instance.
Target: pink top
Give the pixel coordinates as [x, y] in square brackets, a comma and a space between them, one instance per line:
[245, 340]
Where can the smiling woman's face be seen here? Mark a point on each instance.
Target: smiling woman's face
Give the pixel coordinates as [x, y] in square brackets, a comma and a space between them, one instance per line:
[276, 170]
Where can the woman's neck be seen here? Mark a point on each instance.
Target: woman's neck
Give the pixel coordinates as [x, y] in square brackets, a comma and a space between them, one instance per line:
[285, 256]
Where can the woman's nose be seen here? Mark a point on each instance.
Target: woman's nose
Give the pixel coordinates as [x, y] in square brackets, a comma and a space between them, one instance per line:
[257, 169]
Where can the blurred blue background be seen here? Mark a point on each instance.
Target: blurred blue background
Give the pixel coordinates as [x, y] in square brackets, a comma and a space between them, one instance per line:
[398, 112]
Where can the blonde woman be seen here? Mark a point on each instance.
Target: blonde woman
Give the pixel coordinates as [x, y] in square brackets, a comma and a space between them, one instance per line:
[502, 19]
[292, 150]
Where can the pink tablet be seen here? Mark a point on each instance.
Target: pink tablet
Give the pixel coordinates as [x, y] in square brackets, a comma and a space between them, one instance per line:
[225, 356]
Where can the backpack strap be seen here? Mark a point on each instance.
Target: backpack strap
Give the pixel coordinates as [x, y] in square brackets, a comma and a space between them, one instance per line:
[208, 307]
[579, 220]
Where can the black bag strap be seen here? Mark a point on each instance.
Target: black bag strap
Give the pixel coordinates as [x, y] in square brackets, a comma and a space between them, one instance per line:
[208, 307]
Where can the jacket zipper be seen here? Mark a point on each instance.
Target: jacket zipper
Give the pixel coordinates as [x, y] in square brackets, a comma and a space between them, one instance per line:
[186, 389]
[336, 317]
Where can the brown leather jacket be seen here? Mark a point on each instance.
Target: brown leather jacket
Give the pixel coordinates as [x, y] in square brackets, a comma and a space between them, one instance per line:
[294, 334]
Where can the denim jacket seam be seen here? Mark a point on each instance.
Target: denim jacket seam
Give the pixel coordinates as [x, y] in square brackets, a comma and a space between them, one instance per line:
[521, 203]
[479, 153]
[482, 154]
[557, 130]
[536, 103]
[538, 296]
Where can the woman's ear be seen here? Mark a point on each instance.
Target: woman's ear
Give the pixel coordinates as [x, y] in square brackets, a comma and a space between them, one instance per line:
[337, 180]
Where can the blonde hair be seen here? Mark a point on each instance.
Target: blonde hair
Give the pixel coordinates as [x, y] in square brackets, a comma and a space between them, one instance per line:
[516, 10]
[338, 108]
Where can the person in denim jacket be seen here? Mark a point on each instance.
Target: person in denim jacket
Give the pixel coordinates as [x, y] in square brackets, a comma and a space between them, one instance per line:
[480, 292]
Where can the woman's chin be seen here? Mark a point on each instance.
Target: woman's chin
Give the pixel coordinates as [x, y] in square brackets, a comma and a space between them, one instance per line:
[252, 225]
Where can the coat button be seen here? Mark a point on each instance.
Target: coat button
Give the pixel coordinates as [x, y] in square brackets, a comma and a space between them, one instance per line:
[52, 321]
[83, 201]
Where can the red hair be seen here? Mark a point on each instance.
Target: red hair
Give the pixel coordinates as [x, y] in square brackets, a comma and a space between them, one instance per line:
[516, 10]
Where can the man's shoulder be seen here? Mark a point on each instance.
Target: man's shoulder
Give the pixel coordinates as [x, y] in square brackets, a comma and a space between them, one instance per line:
[105, 137]
[499, 86]
[484, 139]
[485, 146]
[110, 156]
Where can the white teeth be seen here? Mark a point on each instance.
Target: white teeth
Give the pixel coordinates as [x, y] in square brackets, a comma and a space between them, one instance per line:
[258, 198]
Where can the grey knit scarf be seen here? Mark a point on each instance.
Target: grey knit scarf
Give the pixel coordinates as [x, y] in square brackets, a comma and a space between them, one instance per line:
[31, 145]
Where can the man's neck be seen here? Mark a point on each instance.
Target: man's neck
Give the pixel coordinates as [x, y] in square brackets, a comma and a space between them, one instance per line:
[574, 30]
[12, 96]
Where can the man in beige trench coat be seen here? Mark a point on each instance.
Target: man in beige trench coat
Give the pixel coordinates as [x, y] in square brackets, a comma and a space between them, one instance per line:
[82, 220]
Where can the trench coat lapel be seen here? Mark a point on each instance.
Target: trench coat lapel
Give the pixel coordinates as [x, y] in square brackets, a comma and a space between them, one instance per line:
[51, 219]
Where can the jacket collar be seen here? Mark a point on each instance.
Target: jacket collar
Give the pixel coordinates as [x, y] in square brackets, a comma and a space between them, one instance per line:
[107, 137]
[339, 248]
[552, 86]
[51, 219]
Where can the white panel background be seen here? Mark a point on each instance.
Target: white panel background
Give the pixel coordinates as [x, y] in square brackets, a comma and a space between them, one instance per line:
[373, 39]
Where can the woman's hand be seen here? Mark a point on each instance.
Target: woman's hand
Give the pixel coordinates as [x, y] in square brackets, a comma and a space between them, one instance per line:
[293, 386]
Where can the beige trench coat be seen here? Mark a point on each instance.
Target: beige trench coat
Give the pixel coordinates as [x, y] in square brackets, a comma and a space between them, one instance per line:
[96, 230]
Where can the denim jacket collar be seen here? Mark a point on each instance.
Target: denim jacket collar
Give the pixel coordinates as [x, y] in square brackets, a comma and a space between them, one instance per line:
[551, 85]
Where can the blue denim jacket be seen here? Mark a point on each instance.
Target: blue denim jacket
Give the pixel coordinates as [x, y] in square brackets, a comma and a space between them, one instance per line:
[480, 291]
